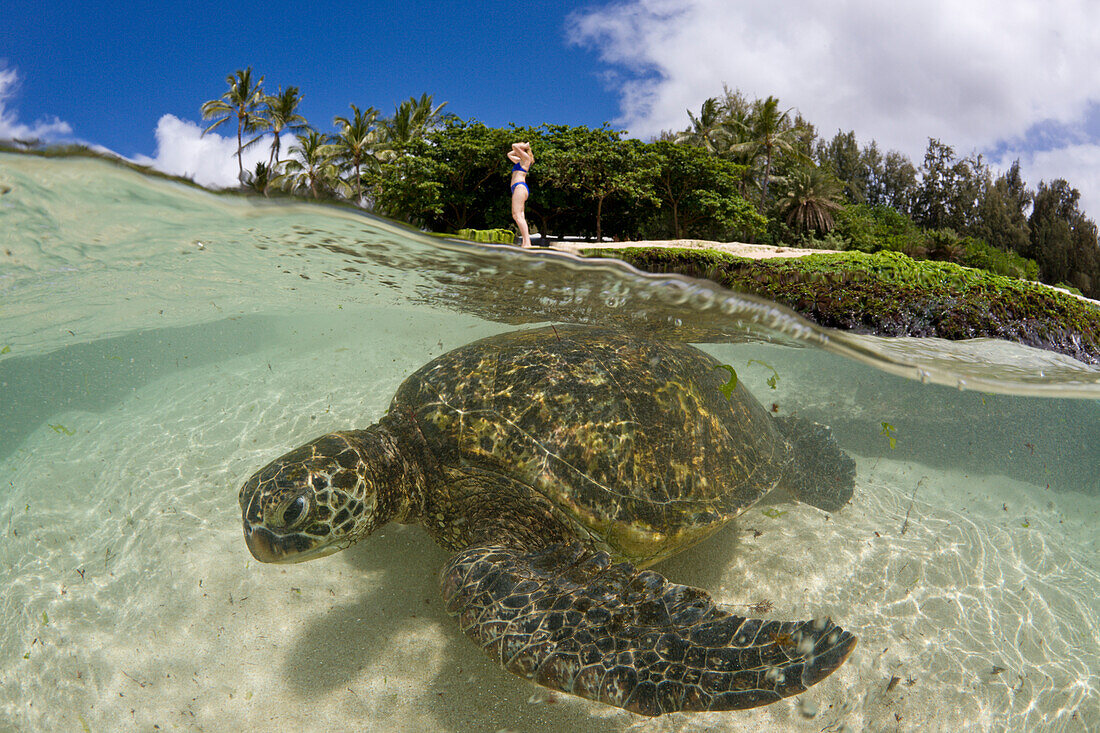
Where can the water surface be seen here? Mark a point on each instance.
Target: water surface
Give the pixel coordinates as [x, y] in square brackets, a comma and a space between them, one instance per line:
[161, 343]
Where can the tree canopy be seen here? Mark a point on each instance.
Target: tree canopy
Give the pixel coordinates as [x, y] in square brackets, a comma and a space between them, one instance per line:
[741, 169]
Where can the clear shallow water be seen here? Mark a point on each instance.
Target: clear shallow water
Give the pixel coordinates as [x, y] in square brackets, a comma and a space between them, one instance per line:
[163, 343]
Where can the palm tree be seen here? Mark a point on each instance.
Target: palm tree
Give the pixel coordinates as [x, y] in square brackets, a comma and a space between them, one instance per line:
[770, 134]
[355, 142]
[313, 168]
[281, 112]
[813, 194]
[241, 101]
[411, 120]
[708, 130]
[258, 181]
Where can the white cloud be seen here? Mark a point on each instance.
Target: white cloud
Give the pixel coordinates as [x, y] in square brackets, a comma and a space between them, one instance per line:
[10, 126]
[973, 74]
[1078, 164]
[210, 160]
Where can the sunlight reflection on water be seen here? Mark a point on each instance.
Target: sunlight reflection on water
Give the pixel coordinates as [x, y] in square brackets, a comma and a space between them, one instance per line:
[162, 343]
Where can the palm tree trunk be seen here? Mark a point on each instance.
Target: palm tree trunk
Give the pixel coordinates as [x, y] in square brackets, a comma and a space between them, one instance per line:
[240, 147]
[274, 157]
[599, 215]
[767, 174]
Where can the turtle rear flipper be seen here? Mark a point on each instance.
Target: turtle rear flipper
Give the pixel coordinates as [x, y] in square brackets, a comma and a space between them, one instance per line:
[568, 619]
[821, 474]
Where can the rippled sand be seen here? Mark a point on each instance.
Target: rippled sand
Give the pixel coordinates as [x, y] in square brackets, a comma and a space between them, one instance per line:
[130, 599]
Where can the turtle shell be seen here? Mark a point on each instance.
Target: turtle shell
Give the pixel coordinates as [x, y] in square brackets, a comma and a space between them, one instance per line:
[632, 440]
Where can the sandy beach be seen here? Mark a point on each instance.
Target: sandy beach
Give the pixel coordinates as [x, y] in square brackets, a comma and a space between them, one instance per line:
[134, 602]
[740, 249]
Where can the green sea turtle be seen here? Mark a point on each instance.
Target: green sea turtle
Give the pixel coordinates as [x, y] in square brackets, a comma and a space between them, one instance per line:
[554, 463]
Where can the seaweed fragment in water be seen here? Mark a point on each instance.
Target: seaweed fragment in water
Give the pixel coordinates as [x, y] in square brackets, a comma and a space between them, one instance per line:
[888, 430]
[727, 388]
[771, 381]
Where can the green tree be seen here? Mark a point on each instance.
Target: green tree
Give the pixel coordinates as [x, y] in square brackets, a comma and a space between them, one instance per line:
[353, 145]
[771, 134]
[598, 165]
[698, 193]
[455, 177]
[812, 196]
[310, 167]
[709, 130]
[281, 112]
[1002, 212]
[737, 113]
[258, 180]
[242, 102]
[930, 206]
[896, 185]
[411, 120]
[949, 190]
[843, 158]
[1063, 239]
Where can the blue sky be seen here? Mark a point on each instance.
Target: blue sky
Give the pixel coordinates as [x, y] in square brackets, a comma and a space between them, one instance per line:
[111, 70]
[1005, 78]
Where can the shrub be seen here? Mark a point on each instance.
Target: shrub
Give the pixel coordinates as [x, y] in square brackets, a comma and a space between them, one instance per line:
[487, 236]
[987, 257]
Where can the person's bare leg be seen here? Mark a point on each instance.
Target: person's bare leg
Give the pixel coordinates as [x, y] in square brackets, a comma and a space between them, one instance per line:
[519, 198]
[521, 155]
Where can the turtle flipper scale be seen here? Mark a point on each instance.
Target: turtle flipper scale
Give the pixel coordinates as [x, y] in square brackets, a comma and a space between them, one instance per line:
[569, 619]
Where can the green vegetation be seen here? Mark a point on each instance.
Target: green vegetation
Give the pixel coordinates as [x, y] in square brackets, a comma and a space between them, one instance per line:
[890, 294]
[487, 236]
[888, 430]
[742, 170]
[241, 102]
[727, 388]
[773, 380]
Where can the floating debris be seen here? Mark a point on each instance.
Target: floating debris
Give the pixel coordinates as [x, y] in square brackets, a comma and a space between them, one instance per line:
[888, 430]
[727, 388]
[771, 381]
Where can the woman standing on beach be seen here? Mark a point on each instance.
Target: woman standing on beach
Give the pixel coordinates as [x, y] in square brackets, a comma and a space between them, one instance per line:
[521, 156]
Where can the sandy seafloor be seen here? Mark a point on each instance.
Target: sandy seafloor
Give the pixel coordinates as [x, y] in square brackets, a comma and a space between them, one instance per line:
[131, 603]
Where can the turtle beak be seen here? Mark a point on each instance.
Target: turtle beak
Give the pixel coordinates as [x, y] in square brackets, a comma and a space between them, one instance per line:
[266, 546]
[261, 543]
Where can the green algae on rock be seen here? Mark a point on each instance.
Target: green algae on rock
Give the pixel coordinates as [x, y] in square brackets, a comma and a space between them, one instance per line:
[890, 294]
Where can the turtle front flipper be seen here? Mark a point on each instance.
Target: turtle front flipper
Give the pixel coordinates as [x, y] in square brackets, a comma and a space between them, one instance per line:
[569, 619]
[820, 474]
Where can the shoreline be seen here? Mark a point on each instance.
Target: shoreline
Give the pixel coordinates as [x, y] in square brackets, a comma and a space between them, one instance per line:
[750, 251]
[884, 294]
[739, 249]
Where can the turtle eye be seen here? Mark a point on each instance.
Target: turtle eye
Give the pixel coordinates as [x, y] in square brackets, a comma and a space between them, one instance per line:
[294, 511]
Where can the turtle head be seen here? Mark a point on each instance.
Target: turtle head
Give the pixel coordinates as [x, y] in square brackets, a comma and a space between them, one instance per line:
[317, 499]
